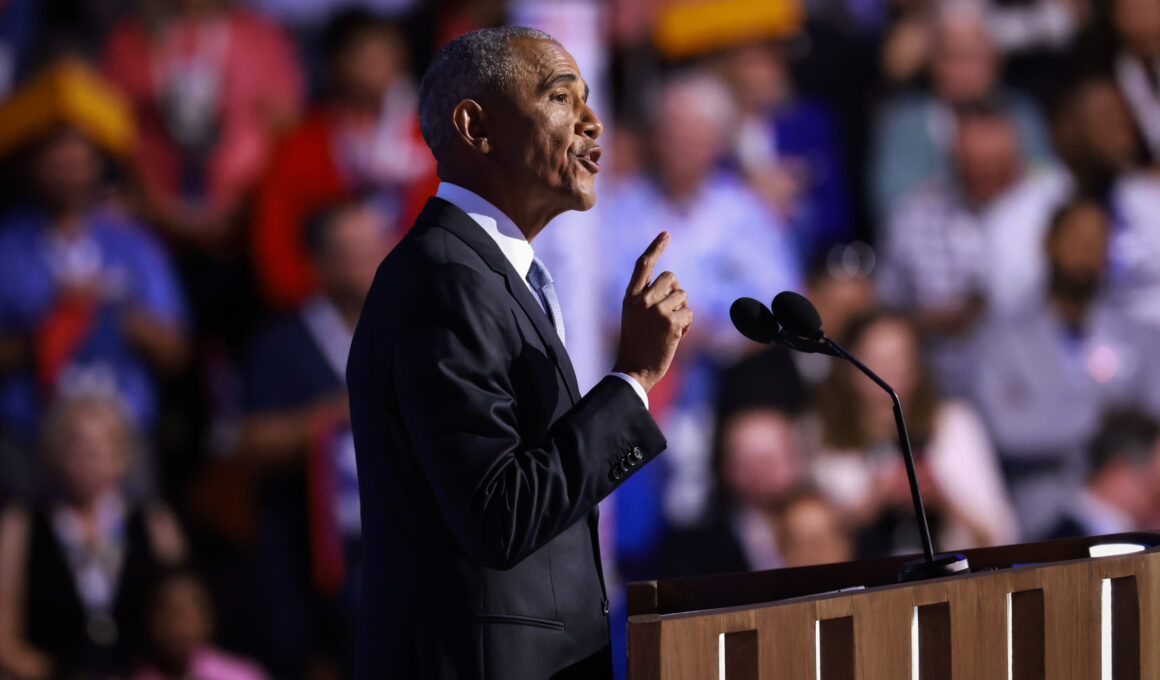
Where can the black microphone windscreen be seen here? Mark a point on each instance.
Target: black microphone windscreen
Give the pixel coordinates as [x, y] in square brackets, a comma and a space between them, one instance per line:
[797, 315]
[753, 320]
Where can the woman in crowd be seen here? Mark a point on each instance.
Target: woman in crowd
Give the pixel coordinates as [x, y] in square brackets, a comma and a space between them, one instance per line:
[859, 465]
[74, 566]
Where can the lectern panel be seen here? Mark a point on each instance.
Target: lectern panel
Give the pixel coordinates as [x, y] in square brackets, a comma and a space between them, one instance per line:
[1028, 622]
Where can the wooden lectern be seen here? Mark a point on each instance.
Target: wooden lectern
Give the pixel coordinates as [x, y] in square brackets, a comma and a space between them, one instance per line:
[1043, 611]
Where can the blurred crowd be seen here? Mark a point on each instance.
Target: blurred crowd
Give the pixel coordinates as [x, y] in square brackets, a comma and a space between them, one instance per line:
[196, 195]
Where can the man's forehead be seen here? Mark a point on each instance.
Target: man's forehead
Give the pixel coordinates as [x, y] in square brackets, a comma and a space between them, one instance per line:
[542, 61]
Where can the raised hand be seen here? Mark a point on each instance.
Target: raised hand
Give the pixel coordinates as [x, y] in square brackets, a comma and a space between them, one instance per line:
[654, 318]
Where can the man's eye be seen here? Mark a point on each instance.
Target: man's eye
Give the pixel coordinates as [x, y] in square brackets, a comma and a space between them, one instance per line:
[560, 97]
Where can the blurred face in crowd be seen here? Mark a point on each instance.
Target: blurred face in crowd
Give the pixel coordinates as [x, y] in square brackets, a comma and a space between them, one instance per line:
[1096, 131]
[756, 75]
[810, 531]
[964, 64]
[89, 450]
[762, 456]
[355, 243]
[1077, 250]
[367, 66]
[179, 622]
[888, 346]
[66, 170]
[542, 136]
[688, 135]
[987, 154]
[1138, 24]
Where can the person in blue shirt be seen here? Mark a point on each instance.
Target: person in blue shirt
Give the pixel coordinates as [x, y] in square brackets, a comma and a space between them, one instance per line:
[788, 147]
[88, 298]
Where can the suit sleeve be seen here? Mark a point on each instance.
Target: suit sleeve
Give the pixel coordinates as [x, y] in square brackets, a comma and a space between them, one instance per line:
[504, 497]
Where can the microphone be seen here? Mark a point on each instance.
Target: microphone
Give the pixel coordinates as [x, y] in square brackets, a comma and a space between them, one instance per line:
[801, 329]
[797, 315]
[753, 320]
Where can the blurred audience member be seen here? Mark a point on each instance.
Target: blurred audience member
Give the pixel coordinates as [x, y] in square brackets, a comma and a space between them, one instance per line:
[212, 85]
[726, 244]
[1122, 491]
[1046, 376]
[915, 133]
[1136, 24]
[810, 530]
[88, 298]
[74, 567]
[1094, 135]
[860, 466]
[971, 244]
[363, 137]
[758, 459]
[297, 430]
[787, 146]
[179, 635]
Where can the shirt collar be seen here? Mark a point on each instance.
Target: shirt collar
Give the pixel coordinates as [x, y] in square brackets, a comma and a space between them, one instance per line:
[1102, 517]
[499, 227]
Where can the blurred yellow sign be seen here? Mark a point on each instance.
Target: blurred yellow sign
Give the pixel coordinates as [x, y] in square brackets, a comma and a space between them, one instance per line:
[686, 28]
[68, 93]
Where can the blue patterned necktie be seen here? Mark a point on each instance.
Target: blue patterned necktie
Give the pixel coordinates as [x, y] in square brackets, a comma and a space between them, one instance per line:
[542, 283]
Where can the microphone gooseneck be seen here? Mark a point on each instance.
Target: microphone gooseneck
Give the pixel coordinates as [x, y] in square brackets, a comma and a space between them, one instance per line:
[801, 330]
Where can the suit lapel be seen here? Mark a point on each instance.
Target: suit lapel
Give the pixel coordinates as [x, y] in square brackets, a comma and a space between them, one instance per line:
[446, 215]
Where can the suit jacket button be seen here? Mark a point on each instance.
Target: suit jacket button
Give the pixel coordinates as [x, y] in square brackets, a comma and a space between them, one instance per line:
[637, 454]
[616, 474]
[624, 465]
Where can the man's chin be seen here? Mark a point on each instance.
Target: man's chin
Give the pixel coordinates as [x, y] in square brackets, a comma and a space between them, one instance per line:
[583, 198]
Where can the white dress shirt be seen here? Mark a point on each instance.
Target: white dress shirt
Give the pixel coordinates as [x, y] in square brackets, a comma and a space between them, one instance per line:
[512, 243]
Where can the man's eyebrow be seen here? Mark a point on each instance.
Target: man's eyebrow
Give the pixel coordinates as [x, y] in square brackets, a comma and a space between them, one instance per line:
[564, 78]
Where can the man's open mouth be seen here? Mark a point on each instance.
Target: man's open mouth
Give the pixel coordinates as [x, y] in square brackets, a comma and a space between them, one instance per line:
[590, 159]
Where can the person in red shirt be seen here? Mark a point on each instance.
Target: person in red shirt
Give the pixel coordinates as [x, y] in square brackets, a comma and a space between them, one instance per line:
[212, 86]
[362, 139]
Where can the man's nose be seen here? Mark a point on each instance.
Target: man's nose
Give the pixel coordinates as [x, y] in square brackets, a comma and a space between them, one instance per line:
[589, 124]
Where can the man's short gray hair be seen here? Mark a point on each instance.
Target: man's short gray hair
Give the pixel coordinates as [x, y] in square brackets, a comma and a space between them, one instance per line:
[469, 66]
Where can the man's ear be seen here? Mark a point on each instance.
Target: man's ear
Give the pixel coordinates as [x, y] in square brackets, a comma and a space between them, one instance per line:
[468, 120]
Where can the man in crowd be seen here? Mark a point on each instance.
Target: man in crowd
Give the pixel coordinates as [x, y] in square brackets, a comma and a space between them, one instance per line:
[1121, 494]
[728, 243]
[297, 434]
[969, 245]
[480, 464]
[915, 133]
[1047, 375]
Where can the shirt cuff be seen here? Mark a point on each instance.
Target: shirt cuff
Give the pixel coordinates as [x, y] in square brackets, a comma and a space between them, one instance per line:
[635, 386]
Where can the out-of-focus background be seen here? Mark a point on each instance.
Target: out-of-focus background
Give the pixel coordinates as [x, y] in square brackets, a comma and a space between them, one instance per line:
[195, 195]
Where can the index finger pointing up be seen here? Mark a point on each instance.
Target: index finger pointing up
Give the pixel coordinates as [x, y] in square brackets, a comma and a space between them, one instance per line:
[642, 273]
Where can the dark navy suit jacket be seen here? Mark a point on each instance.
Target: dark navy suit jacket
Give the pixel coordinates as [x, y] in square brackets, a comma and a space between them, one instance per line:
[480, 466]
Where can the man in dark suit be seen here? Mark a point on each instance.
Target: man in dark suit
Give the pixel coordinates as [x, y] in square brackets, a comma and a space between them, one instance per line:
[480, 463]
